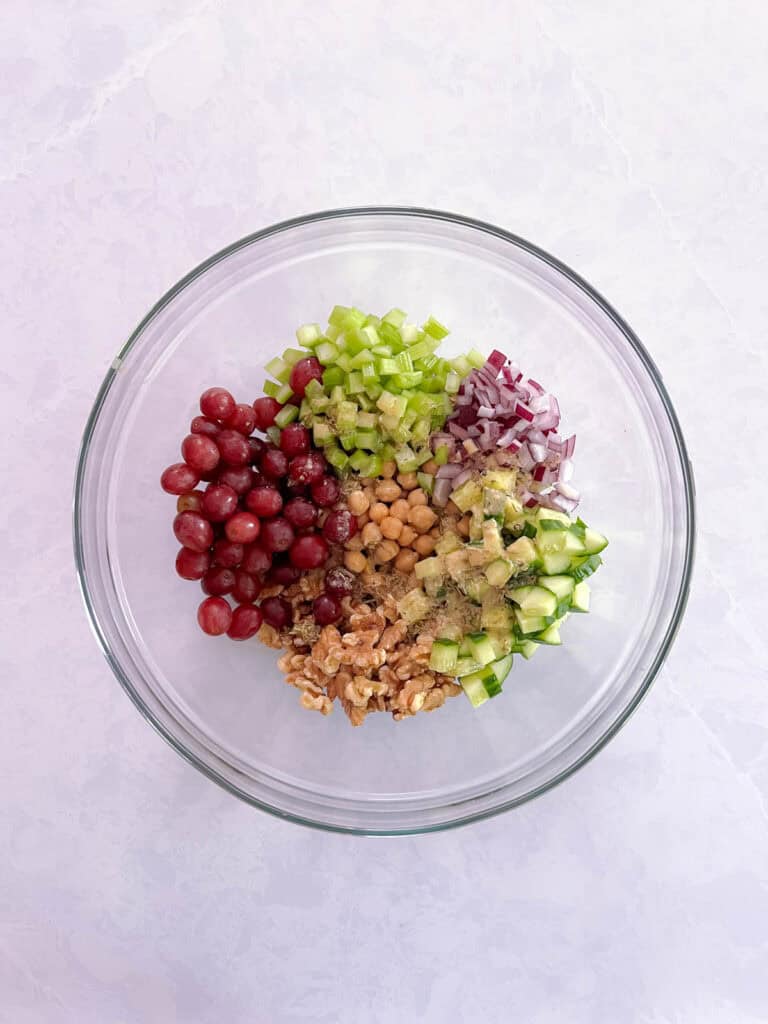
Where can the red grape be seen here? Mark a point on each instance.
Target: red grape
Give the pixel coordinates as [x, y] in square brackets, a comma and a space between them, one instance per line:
[272, 463]
[326, 610]
[242, 528]
[200, 452]
[246, 622]
[264, 501]
[266, 409]
[277, 534]
[300, 513]
[303, 372]
[239, 478]
[306, 469]
[214, 616]
[217, 403]
[192, 531]
[243, 419]
[284, 574]
[276, 611]
[339, 582]
[247, 588]
[255, 559]
[192, 501]
[227, 553]
[326, 491]
[339, 526]
[234, 448]
[202, 425]
[180, 478]
[256, 446]
[308, 552]
[294, 440]
[219, 502]
[192, 565]
[218, 581]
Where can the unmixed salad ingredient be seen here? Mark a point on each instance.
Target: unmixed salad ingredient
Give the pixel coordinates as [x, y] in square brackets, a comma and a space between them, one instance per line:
[399, 523]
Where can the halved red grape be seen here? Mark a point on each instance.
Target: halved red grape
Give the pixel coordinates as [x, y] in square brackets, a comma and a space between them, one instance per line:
[192, 501]
[306, 469]
[266, 409]
[264, 501]
[242, 528]
[214, 616]
[192, 565]
[255, 559]
[326, 610]
[202, 425]
[246, 622]
[308, 552]
[180, 478]
[219, 502]
[200, 452]
[300, 513]
[239, 478]
[339, 526]
[192, 531]
[247, 588]
[276, 611]
[218, 581]
[243, 419]
[227, 553]
[339, 582]
[326, 491]
[217, 403]
[303, 372]
[234, 448]
[276, 534]
[294, 440]
[273, 463]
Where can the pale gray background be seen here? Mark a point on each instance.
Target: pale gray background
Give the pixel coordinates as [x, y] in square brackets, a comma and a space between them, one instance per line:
[630, 139]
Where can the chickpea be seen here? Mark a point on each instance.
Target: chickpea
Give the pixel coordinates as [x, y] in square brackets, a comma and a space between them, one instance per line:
[424, 545]
[407, 536]
[378, 512]
[355, 561]
[418, 497]
[358, 503]
[354, 543]
[370, 494]
[463, 526]
[407, 481]
[422, 518]
[362, 520]
[371, 535]
[388, 490]
[386, 551]
[391, 527]
[406, 560]
[435, 532]
[400, 509]
[430, 467]
[366, 481]
[389, 469]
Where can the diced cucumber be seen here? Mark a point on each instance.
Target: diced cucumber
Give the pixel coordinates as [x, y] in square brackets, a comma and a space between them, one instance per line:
[580, 598]
[525, 647]
[497, 617]
[561, 586]
[555, 562]
[414, 605]
[594, 542]
[531, 625]
[498, 572]
[475, 589]
[552, 516]
[494, 501]
[448, 542]
[469, 495]
[443, 656]
[581, 568]
[534, 600]
[503, 641]
[477, 689]
[502, 667]
[492, 541]
[550, 635]
[466, 665]
[548, 525]
[481, 647]
[429, 567]
[522, 551]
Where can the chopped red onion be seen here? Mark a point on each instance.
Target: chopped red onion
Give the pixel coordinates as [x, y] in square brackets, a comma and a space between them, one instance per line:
[442, 492]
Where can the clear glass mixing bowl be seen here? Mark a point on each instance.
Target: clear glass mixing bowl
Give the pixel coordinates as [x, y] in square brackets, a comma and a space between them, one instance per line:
[224, 705]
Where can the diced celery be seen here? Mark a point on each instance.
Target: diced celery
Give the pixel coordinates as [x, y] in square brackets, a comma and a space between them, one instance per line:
[369, 373]
[426, 482]
[421, 430]
[429, 567]
[423, 348]
[332, 376]
[386, 366]
[337, 393]
[327, 352]
[273, 433]
[370, 439]
[355, 382]
[406, 459]
[344, 361]
[435, 329]
[347, 441]
[346, 417]
[279, 369]
[367, 420]
[284, 393]
[390, 338]
[293, 355]
[271, 387]
[287, 415]
[409, 333]
[408, 380]
[441, 455]
[452, 383]
[308, 335]
[392, 405]
[374, 390]
[475, 358]
[395, 317]
[319, 403]
[461, 365]
[332, 332]
[372, 466]
[337, 458]
[369, 334]
[364, 401]
[363, 357]
[338, 315]
[357, 460]
[305, 409]
[321, 433]
[404, 362]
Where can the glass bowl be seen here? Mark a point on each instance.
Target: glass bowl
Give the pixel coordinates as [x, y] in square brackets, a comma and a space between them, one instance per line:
[223, 705]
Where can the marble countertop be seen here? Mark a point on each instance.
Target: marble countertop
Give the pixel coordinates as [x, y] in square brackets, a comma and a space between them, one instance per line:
[629, 140]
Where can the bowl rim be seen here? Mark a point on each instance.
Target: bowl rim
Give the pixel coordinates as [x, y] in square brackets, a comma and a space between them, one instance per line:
[689, 492]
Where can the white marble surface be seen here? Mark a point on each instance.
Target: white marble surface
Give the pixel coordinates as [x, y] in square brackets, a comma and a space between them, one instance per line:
[630, 140]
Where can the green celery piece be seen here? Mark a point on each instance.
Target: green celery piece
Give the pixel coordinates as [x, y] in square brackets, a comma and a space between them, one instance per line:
[421, 430]
[355, 382]
[321, 433]
[363, 357]
[332, 377]
[369, 335]
[305, 409]
[390, 336]
[394, 318]
[346, 417]
[271, 387]
[313, 389]
[287, 415]
[423, 348]
[348, 441]
[441, 455]
[327, 353]
[370, 439]
[374, 390]
[404, 362]
[435, 329]
[367, 420]
[336, 458]
[273, 433]
[452, 383]
[338, 316]
[406, 459]
[372, 467]
[369, 373]
[357, 460]
[426, 482]
[408, 380]
[475, 359]
[308, 335]
[461, 365]
[410, 334]
[364, 401]
[293, 355]
[344, 361]
[284, 394]
[392, 405]
[279, 369]
[386, 367]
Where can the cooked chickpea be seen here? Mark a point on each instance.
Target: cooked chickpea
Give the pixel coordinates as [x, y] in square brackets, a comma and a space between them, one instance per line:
[430, 467]
[371, 535]
[400, 509]
[354, 543]
[391, 527]
[463, 526]
[388, 490]
[406, 560]
[362, 520]
[422, 518]
[357, 502]
[435, 532]
[407, 536]
[366, 481]
[407, 481]
[378, 512]
[424, 545]
[389, 469]
[355, 561]
[386, 551]
[418, 497]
